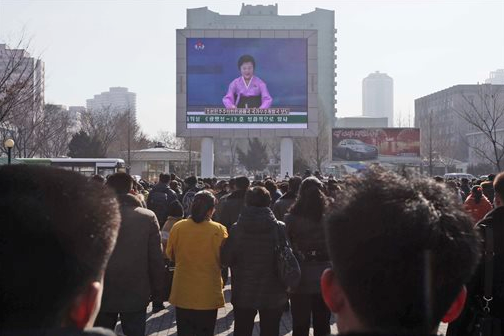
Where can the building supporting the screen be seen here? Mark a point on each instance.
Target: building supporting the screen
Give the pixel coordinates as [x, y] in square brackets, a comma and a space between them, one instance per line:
[286, 157]
[207, 157]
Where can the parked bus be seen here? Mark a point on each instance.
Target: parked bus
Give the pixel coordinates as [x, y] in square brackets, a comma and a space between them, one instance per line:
[88, 167]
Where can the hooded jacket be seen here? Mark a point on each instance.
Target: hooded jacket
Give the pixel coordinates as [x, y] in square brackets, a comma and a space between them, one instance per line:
[250, 252]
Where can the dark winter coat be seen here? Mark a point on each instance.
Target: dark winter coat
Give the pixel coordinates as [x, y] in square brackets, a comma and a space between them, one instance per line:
[307, 238]
[250, 252]
[282, 205]
[136, 268]
[67, 331]
[494, 219]
[476, 287]
[159, 199]
[229, 208]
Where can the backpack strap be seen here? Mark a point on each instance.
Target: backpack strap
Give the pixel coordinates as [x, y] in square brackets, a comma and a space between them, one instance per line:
[488, 267]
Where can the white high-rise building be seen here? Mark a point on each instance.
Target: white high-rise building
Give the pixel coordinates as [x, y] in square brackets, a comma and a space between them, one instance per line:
[20, 70]
[496, 77]
[378, 96]
[117, 99]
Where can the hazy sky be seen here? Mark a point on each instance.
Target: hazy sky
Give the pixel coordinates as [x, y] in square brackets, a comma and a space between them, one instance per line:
[89, 46]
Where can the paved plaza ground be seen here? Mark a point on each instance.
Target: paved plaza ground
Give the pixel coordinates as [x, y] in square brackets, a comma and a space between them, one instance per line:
[163, 323]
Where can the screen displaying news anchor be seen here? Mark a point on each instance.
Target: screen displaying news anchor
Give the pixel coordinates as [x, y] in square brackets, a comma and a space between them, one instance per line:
[247, 83]
[247, 91]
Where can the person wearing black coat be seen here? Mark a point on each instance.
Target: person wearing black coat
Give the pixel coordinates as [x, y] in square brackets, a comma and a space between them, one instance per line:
[305, 230]
[250, 252]
[230, 205]
[493, 220]
[160, 197]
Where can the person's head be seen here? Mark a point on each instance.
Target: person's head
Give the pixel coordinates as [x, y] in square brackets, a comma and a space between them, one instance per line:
[174, 185]
[222, 185]
[491, 177]
[203, 206]
[464, 181]
[175, 209]
[242, 183]
[58, 230]
[232, 184]
[246, 65]
[120, 182]
[477, 193]
[98, 178]
[294, 183]
[164, 178]
[401, 249]
[439, 179]
[311, 201]
[191, 181]
[283, 187]
[258, 197]
[271, 186]
[498, 184]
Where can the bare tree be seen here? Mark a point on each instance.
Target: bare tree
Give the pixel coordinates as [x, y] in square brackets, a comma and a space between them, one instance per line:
[315, 151]
[55, 131]
[484, 113]
[170, 140]
[21, 80]
[102, 125]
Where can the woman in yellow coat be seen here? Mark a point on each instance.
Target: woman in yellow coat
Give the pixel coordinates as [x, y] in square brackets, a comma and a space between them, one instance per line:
[194, 245]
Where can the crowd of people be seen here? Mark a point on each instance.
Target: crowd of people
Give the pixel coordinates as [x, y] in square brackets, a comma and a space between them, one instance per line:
[387, 253]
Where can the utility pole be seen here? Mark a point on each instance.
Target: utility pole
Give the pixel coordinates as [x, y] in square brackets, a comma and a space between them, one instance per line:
[430, 143]
[190, 155]
[128, 167]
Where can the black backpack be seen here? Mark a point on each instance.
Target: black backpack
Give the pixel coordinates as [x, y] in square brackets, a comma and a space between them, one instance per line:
[158, 202]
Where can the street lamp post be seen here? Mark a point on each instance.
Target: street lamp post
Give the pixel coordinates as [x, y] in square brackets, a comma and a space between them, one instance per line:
[9, 143]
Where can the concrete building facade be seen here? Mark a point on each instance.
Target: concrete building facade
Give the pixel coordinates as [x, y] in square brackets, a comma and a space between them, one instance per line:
[439, 116]
[117, 99]
[496, 77]
[378, 97]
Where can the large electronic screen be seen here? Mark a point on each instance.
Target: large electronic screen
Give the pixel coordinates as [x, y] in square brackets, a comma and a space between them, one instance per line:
[247, 83]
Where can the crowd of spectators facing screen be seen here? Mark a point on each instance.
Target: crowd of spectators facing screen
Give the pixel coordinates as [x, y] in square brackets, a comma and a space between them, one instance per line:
[364, 244]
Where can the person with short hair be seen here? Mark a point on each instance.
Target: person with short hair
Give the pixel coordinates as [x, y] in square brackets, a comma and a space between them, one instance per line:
[247, 91]
[188, 196]
[194, 245]
[487, 187]
[230, 206]
[135, 270]
[58, 231]
[250, 252]
[160, 197]
[401, 253]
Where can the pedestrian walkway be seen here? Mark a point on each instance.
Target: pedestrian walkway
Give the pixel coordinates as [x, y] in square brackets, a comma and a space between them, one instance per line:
[163, 323]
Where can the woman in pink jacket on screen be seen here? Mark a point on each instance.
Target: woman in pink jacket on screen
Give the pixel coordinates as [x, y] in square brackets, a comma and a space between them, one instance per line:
[247, 91]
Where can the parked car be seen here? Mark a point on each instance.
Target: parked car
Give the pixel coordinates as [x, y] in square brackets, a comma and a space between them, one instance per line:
[353, 149]
[458, 176]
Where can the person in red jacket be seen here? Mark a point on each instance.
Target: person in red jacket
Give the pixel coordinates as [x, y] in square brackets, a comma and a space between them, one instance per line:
[477, 205]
